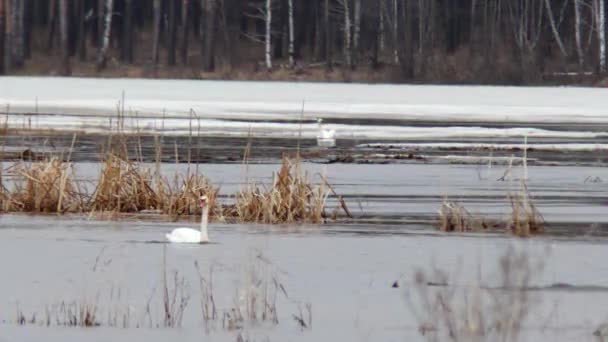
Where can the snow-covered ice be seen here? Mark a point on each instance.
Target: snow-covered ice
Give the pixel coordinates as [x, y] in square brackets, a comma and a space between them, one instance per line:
[273, 109]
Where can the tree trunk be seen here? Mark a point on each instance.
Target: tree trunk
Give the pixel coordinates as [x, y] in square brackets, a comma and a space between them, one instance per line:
[63, 33]
[396, 41]
[347, 34]
[268, 37]
[328, 62]
[100, 22]
[357, 29]
[2, 40]
[82, 30]
[292, 61]
[601, 35]
[17, 8]
[184, 31]
[52, 24]
[127, 32]
[102, 59]
[577, 33]
[209, 53]
[556, 35]
[171, 44]
[156, 29]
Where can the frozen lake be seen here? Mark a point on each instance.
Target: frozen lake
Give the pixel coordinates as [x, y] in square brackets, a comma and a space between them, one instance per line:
[400, 151]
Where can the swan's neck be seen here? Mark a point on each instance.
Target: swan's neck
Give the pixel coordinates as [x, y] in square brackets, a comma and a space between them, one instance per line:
[204, 221]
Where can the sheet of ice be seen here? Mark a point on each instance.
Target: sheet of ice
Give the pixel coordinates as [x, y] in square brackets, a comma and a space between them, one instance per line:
[284, 100]
[216, 127]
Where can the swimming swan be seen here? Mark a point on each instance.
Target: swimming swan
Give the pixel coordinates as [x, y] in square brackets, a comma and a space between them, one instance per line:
[189, 235]
[325, 137]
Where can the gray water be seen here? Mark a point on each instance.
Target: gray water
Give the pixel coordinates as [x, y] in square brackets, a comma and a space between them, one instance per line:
[343, 270]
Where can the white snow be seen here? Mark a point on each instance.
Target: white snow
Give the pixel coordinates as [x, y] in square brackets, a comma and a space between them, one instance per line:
[274, 109]
[229, 128]
[283, 100]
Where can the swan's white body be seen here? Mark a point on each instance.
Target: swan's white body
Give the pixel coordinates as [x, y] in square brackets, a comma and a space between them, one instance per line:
[325, 137]
[189, 235]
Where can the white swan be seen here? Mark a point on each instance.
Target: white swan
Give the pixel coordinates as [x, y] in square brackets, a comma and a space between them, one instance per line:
[325, 137]
[189, 235]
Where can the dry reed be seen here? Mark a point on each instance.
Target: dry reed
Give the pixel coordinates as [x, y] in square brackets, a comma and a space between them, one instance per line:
[182, 198]
[123, 187]
[46, 186]
[453, 217]
[291, 198]
[525, 218]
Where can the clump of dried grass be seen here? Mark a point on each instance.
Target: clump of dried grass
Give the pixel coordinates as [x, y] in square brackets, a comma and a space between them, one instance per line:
[525, 219]
[46, 186]
[291, 198]
[182, 198]
[454, 217]
[123, 187]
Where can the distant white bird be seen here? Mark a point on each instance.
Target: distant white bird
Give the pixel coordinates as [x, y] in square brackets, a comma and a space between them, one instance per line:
[189, 235]
[325, 137]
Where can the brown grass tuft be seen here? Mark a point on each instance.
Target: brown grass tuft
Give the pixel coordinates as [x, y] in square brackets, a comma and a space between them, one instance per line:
[292, 198]
[182, 199]
[46, 186]
[525, 218]
[123, 187]
[454, 217]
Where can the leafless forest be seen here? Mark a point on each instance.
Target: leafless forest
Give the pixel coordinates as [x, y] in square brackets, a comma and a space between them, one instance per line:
[441, 41]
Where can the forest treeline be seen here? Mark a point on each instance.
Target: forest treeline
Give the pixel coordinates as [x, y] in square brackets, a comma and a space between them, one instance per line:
[481, 41]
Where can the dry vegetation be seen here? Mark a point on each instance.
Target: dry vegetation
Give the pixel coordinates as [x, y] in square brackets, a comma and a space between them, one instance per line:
[525, 219]
[446, 312]
[454, 217]
[46, 186]
[291, 198]
[124, 186]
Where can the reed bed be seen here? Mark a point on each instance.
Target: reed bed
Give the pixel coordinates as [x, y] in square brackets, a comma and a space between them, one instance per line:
[181, 197]
[47, 186]
[123, 187]
[292, 197]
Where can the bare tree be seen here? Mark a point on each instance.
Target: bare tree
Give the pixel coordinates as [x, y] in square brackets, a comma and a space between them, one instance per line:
[16, 25]
[600, 21]
[328, 45]
[172, 36]
[156, 31]
[291, 35]
[577, 33]
[357, 28]
[82, 30]
[268, 38]
[348, 60]
[127, 32]
[209, 36]
[102, 58]
[556, 35]
[63, 32]
[184, 31]
[2, 40]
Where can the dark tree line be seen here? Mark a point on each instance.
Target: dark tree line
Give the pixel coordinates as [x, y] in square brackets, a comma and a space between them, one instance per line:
[439, 40]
